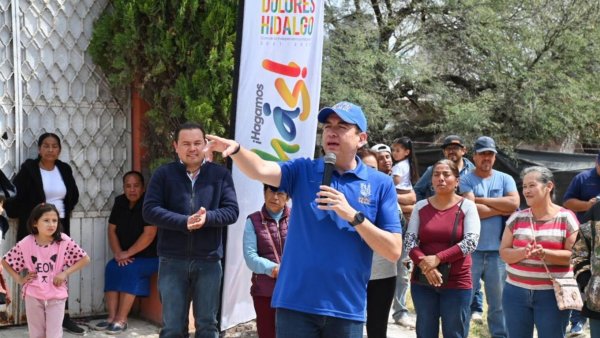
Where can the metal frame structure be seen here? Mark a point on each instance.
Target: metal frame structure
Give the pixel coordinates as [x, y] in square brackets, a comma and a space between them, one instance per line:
[48, 83]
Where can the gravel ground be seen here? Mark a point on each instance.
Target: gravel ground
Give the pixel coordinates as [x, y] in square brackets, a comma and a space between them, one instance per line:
[248, 330]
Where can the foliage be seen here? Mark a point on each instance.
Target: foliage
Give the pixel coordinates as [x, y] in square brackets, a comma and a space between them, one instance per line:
[179, 55]
[522, 72]
[363, 62]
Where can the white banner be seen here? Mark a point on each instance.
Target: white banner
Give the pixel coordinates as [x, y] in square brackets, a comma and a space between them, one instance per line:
[276, 115]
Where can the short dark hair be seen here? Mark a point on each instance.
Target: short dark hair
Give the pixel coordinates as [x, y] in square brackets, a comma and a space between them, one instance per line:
[188, 125]
[45, 136]
[37, 213]
[135, 173]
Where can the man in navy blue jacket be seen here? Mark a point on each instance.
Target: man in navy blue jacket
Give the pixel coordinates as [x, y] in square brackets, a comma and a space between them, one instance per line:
[191, 201]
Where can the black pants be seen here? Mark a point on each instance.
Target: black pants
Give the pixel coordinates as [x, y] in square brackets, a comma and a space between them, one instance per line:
[380, 294]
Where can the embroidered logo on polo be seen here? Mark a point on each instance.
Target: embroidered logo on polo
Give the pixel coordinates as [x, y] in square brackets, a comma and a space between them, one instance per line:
[365, 193]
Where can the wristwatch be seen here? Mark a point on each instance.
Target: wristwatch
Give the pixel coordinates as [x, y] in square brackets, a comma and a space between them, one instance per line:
[358, 218]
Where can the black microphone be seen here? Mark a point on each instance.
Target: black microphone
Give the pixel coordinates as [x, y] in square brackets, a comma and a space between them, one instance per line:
[329, 160]
[329, 167]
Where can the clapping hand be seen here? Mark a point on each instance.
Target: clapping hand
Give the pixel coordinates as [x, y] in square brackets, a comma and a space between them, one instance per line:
[537, 251]
[197, 220]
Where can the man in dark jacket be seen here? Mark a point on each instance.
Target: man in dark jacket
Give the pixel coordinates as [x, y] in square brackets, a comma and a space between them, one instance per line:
[191, 201]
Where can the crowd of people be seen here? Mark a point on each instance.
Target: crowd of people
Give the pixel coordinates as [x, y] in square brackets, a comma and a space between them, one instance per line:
[345, 254]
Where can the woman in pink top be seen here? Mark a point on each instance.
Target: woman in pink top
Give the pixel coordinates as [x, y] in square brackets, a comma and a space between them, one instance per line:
[543, 233]
[49, 257]
[442, 233]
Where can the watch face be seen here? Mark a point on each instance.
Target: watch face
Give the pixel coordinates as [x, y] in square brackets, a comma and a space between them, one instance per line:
[358, 218]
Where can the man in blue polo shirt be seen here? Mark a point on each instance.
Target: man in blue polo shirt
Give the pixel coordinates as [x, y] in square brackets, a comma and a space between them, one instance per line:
[580, 196]
[583, 190]
[495, 194]
[333, 230]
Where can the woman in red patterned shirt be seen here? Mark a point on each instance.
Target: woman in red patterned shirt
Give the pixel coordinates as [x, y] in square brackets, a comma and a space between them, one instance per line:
[442, 233]
[547, 232]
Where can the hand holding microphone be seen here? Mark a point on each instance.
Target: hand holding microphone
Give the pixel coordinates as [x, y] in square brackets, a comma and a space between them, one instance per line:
[330, 199]
[329, 160]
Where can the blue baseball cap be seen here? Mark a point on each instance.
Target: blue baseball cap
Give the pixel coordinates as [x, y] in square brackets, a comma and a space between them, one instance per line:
[485, 143]
[348, 112]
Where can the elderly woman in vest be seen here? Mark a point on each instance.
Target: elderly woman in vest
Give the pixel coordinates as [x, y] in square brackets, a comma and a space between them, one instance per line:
[264, 238]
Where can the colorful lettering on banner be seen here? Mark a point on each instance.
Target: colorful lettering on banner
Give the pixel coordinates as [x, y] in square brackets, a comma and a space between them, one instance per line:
[287, 17]
[281, 149]
[300, 89]
[284, 118]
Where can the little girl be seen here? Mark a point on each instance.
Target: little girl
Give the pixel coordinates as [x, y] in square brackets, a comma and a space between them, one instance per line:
[404, 173]
[48, 257]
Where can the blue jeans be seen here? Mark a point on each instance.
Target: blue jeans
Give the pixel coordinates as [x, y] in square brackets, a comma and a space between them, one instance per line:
[576, 317]
[595, 328]
[295, 324]
[451, 305]
[402, 281]
[526, 308]
[181, 281]
[488, 266]
[477, 303]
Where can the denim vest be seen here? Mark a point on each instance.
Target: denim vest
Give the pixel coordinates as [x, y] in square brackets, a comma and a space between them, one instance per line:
[270, 240]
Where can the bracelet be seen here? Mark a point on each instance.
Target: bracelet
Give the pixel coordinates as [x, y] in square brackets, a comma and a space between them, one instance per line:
[237, 150]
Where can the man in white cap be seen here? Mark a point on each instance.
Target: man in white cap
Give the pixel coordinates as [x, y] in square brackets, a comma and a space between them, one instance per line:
[384, 158]
[495, 194]
[321, 287]
[406, 204]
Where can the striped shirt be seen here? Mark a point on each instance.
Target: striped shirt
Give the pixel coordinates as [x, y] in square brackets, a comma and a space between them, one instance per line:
[550, 234]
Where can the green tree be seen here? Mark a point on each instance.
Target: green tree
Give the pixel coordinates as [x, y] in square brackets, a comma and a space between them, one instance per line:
[520, 71]
[178, 54]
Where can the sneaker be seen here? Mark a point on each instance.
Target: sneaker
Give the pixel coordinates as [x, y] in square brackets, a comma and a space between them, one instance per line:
[577, 328]
[70, 326]
[477, 317]
[101, 326]
[116, 328]
[405, 321]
